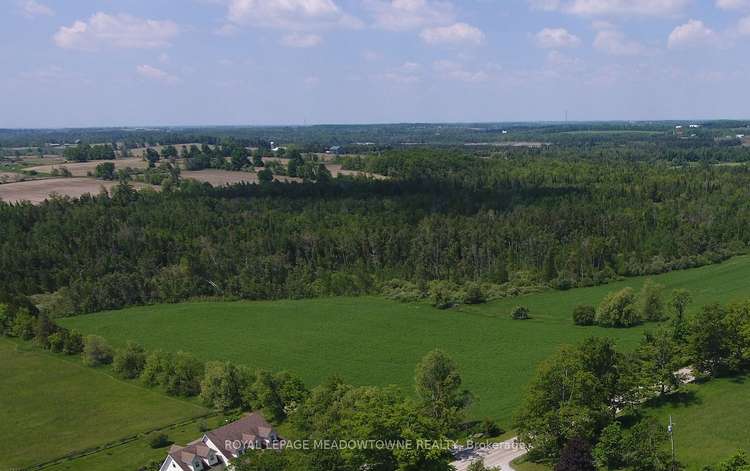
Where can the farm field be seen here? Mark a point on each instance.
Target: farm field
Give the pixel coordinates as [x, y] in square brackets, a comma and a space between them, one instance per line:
[219, 177]
[53, 406]
[371, 340]
[36, 191]
[81, 169]
[9, 176]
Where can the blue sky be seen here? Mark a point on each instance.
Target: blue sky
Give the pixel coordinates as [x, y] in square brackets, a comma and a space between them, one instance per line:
[201, 62]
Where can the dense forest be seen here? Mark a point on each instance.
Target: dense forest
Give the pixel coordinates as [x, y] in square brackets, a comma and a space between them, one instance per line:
[509, 221]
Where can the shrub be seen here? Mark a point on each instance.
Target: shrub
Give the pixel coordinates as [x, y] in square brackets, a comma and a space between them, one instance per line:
[183, 376]
[152, 465]
[158, 440]
[584, 315]
[443, 294]
[520, 313]
[57, 340]
[96, 351]
[23, 325]
[491, 429]
[401, 290]
[129, 361]
[73, 343]
[474, 294]
[618, 310]
[155, 368]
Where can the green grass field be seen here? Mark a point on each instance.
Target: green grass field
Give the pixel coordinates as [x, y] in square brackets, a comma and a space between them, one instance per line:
[52, 406]
[710, 422]
[710, 419]
[133, 455]
[375, 341]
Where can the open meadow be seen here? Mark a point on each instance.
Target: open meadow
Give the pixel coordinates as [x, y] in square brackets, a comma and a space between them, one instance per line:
[52, 406]
[36, 191]
[371, 340]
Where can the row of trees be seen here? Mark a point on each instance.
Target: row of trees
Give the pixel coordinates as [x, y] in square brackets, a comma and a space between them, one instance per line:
[86, 152]
[625, 308]
[578, 394]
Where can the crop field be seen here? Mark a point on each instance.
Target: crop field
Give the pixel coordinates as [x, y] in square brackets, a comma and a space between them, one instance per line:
[36, 191]
[81, 169]
[371, 340]
[52, 406]
[219, 177]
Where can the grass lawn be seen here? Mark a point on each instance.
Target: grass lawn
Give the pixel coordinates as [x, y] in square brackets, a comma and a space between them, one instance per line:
[52, 406]
[711, 420]
[133, 455]
[371, 340]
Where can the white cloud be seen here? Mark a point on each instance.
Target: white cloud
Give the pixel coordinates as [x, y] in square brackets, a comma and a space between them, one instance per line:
[733, 4]
[458, 33]
[299, 15]
[613, 41]
[153, 73]
[122, 30]
[455, 71]
[691, 33]
[301, 40]
[404, 15]
[32, 8]
[612, 7]
[556, 38]
[312, 81]
[744, 26]
[406, 74]
[559, 60]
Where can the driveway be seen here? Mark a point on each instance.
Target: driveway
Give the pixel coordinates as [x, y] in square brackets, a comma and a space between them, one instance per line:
[494, 455]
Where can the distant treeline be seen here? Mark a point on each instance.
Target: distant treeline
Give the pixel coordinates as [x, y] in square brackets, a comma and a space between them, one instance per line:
[442, 216]
[382, 136]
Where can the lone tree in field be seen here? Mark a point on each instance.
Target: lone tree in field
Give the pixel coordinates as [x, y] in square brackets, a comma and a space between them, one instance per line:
[520, 313]
[438, 384]
[618, 310]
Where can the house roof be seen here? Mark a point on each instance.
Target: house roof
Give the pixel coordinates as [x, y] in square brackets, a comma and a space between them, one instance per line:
[249, 428]
[250, 425]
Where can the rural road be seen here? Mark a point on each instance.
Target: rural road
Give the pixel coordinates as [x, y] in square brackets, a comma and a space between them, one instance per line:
[494, 455]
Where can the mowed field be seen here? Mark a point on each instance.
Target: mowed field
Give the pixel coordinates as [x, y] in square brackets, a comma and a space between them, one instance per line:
[52, 406]
[36, 191]
[370, 340]
[710, 420]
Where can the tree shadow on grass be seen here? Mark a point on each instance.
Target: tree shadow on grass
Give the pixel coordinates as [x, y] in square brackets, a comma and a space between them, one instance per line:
[680, 398]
